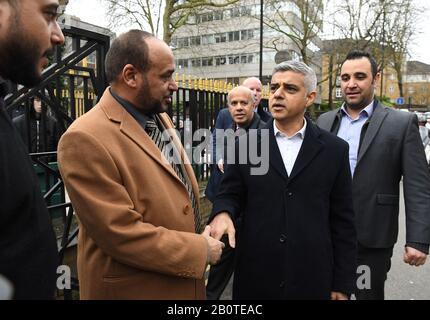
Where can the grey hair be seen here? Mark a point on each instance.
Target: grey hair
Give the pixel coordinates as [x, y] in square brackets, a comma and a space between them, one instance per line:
[247, 90]
[302, 68]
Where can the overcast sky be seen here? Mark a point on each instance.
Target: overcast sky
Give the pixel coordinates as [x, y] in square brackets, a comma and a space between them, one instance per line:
[92, 11]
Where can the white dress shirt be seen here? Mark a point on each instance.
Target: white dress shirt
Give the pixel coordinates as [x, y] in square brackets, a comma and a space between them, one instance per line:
[290, 146]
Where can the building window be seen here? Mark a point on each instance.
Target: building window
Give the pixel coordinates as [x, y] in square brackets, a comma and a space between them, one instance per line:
[255, 10]
[269, 56]
[233, 80]
[295, 56]
[221, 38]
[192, 19]
[391, 89]
[208, 39]
[246, 11]
[207, 62]
[243, 59]
[244, 35]
[233, 59]
[338, 92]
[218, 15]
[182, 63]
[183, 42]
[235, 12]
[247, 34]
[196, 63]
[234, 36]
[220, 61]
[206, 17]
[195, 41]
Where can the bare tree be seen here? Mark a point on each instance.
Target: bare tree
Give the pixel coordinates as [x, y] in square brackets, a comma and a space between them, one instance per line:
[298, 22]
[400, 26]
[166, 16]
[383, 27]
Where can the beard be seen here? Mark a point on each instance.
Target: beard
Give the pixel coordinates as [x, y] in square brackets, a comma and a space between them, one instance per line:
[355, 106]
[19, 57]
[358, 105]
[149, 104]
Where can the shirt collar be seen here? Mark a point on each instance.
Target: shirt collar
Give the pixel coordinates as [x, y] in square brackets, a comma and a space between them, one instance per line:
[301, 133]
[132, 109]
[368, 111]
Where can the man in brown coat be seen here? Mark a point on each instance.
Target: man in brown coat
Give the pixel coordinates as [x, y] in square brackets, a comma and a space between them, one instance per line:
[139, 229]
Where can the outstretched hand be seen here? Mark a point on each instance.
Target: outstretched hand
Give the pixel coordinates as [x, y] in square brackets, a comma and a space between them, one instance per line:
[222, 224]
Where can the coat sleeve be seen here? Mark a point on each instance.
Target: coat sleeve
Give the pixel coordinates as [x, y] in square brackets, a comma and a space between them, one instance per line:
[108, 215]
[218, 137]
[416, 184]
[343, 232]
[231, 192]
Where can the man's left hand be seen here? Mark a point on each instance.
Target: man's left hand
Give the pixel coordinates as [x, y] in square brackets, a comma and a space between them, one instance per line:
[414, 257]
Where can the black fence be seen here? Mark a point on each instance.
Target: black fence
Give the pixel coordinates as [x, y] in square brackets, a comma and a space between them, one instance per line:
[198, 109]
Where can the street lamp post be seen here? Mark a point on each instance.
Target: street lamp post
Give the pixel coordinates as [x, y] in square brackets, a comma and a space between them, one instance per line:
[261, 39]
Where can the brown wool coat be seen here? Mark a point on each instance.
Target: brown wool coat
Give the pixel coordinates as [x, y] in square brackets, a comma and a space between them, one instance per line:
[136, 238]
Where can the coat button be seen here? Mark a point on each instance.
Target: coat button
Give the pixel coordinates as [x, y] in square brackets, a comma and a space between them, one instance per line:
[187, 209]
[283, 238]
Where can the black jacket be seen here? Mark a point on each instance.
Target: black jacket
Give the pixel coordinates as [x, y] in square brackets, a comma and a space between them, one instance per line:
[216, 174]
[390, 149]
[28, 248]
[297, 238]
[43, 135]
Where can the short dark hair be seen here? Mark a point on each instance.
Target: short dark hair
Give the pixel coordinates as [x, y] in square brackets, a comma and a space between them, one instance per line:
[359, 54]
[128, 48]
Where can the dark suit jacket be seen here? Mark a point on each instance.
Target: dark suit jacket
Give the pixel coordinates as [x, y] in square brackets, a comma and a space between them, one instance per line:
[216, 174]
[297, 239]
[264, 115]
[224, 121]
[28, 249]
[390, 148]
[43, 137]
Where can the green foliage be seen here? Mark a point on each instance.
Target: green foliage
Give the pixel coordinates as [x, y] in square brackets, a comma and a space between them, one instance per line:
[386, 101]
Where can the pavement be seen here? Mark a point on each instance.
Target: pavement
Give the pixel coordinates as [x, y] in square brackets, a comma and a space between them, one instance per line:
[404, 281]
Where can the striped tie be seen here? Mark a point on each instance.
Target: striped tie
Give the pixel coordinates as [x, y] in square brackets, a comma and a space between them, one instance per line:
[156, 135]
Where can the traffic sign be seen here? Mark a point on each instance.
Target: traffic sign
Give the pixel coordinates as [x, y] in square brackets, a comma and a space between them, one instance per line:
[400, 101]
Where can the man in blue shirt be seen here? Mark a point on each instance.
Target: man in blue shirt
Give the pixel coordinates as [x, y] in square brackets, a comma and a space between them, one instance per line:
[384, 147]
